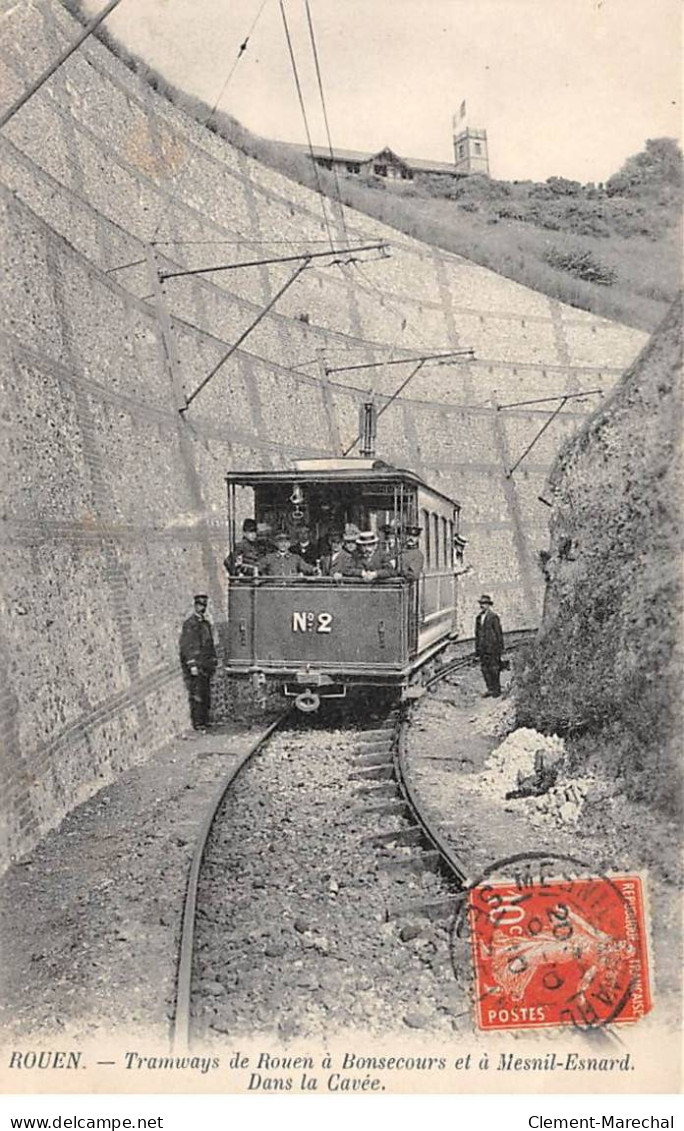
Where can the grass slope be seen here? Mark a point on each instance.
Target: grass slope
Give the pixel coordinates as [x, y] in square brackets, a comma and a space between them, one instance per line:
[614, 250]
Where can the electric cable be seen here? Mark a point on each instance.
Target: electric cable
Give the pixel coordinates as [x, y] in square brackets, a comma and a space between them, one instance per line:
[186, 165]
[325, 119]
[300, 96]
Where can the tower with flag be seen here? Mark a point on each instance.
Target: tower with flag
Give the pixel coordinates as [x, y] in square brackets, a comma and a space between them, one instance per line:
[471, 154]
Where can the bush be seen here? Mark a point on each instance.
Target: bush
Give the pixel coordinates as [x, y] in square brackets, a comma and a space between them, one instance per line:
[561, 186]
[581, 264]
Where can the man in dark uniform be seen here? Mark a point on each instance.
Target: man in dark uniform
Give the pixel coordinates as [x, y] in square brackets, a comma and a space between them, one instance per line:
[489, 645]
[244, 560]
[198, 662]
[372, 563]
[412, 560]
[283, 563]
[304, 548]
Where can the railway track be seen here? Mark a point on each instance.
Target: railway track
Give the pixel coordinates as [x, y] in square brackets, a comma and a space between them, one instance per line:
[392, 823]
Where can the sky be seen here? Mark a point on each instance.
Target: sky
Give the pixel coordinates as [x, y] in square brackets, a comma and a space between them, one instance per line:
[563, 87]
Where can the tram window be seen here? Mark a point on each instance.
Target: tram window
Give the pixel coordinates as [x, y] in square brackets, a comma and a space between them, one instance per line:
[426, 528]
[450, 559]
[443, 523]
[435, 539]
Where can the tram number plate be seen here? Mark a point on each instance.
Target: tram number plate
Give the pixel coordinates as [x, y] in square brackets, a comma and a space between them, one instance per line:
[312, 622]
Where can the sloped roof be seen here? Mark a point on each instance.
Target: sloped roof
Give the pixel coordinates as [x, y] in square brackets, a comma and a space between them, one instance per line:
[338, 154]
[420, 164]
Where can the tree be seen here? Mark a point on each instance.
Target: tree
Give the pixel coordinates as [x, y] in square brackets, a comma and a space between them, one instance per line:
[657, 170]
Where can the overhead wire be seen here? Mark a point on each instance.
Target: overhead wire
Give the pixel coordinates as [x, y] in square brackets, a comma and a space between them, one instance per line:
[295, 72]
[186, 165]
[325, 119]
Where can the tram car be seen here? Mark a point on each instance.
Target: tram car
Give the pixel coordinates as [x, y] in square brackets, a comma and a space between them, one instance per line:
[320, 636]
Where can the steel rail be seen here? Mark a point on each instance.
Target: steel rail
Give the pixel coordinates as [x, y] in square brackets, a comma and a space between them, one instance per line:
[455, 864]
[597, 1037]
[180, 1033]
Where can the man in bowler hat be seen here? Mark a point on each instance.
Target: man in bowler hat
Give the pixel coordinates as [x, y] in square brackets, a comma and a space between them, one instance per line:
[489, 645]
[198, 662]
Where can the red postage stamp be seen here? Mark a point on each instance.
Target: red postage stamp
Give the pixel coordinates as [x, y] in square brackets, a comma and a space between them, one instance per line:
[550, 952]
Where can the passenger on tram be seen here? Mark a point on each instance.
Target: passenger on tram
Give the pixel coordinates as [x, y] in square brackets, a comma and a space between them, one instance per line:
[244, 560]
[283, 563]
[390, 542]
[304, 548]
[348, 559]
[371, 563]
[265, 543]
[330, 562]
[412, 560]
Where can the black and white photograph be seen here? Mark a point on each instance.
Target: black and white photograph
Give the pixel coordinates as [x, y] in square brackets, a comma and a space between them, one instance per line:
[341, 548]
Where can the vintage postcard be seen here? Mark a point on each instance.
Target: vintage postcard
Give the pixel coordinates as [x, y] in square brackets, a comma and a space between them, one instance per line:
[341, 587]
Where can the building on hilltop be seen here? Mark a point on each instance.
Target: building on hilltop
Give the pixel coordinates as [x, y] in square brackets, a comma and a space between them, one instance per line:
[470, 151]
[470, 156]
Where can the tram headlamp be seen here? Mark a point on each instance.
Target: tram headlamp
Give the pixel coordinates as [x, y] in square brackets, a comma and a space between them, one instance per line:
[297, 496]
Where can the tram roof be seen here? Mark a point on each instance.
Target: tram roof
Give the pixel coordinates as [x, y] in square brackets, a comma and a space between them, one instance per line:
[359, 471]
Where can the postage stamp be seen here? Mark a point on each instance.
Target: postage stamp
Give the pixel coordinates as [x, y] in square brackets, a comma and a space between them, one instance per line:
[551, 947]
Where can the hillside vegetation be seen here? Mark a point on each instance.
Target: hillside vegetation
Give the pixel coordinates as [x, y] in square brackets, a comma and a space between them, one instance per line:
[605, 669]
[613, 249]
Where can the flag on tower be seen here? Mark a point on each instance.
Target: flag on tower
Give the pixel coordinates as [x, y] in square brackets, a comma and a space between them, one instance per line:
[463, 109]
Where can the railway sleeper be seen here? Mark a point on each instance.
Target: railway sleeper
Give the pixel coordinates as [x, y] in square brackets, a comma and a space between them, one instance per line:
[410, 836]
[375, 759]
[379, 790]
[388, 809]
[384, 771]
[377, 746]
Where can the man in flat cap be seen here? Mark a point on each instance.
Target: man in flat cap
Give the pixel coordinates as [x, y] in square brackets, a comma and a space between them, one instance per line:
[198, 662]
[244, 560]
[412, 560]
[489, 645]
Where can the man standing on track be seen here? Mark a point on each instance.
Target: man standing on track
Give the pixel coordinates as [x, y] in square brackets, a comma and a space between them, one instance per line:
[198, 662]
[489, 645]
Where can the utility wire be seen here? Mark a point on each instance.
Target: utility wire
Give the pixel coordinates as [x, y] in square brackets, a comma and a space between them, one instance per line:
[35, 86]
[306, 123]
[325, 119]
[204, 122]
[245, 42]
